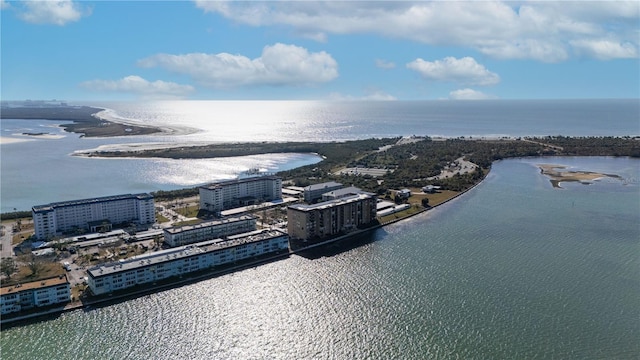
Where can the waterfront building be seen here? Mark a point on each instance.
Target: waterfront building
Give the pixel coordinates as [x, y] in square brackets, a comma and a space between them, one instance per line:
[96, 214]
[176, 262]
[314, 192]
[39, 293]
[184, 235]
[393, 209]
[330, 218]
[240, 192]
[340, 193]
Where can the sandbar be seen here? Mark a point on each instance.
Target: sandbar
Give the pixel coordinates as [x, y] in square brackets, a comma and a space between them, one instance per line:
[8, 140]
[558, 174]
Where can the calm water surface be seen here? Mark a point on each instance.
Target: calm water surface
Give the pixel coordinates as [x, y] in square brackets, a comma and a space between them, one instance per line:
[514, 269]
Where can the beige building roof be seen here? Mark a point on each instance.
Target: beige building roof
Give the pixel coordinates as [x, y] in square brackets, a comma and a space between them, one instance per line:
[58, 280]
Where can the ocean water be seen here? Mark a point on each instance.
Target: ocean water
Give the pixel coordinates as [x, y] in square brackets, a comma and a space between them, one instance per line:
[336, 121]
[41, 170]
[514, 269]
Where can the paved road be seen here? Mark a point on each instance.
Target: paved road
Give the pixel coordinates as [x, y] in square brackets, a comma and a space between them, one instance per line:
[5, 242]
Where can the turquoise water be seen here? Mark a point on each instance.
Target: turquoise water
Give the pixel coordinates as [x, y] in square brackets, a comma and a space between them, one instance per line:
[514, 269]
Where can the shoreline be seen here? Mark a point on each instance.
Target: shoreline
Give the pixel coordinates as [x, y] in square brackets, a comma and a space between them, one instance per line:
[84, 120]
[51, 313]
[106, 300]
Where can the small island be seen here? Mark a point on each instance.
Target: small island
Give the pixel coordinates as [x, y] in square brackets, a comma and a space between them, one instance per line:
[557, 174]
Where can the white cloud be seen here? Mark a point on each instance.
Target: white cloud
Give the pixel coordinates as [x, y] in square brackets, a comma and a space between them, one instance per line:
[58, 12]
[469, 94]
[465, 70]
[383, 64]
[545, 31]
[279, 64]
[605, 49]
[137, 85]
[4, 4]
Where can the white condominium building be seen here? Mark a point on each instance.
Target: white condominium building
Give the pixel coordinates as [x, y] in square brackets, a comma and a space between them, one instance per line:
[184, 235]
[242, 192]
[35, 294]
[171, 263]
[92, 214]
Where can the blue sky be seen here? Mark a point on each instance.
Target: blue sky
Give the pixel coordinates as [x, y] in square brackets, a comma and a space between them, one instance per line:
[374, 50]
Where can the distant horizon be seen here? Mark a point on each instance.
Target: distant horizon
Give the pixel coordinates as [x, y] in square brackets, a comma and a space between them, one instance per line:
[70, 102]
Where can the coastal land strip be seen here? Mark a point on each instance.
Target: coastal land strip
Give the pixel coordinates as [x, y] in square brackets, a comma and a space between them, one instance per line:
[83, 120]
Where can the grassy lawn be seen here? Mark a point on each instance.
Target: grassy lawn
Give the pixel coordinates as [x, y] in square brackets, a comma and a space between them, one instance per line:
[48, 270]
[416, 199]
[161, 219]
[17, 239]
[441, 196]
[189, 211]
[401, 214]
[435, 199]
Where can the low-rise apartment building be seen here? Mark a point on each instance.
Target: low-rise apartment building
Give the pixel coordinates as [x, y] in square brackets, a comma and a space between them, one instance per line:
[344, 192]
[175, 262]
[314, 192]
[39, 293]
[184, 235]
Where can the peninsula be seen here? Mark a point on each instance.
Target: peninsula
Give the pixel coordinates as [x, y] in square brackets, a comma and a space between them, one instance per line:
[85, 120]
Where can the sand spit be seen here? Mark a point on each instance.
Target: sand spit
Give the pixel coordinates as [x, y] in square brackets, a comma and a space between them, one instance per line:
[95, 152]
[110, 115]
[22, 137]
[558, 174]
[9, 140]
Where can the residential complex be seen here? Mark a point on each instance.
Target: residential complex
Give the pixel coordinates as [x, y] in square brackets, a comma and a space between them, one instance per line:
[314, 192]
[35, 294]
[330, 218]
[97, 214]
[241, 192]
[160, 265]
[344, 192]
[184, 235]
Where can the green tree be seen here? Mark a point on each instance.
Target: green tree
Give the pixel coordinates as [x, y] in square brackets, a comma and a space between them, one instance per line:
[8, 266]
[35, 265]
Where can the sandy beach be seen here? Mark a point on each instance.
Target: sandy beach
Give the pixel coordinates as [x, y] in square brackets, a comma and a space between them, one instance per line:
[109, 115]
[95, 152]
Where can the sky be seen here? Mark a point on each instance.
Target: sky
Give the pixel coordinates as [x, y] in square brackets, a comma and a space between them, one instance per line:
[319, 50]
